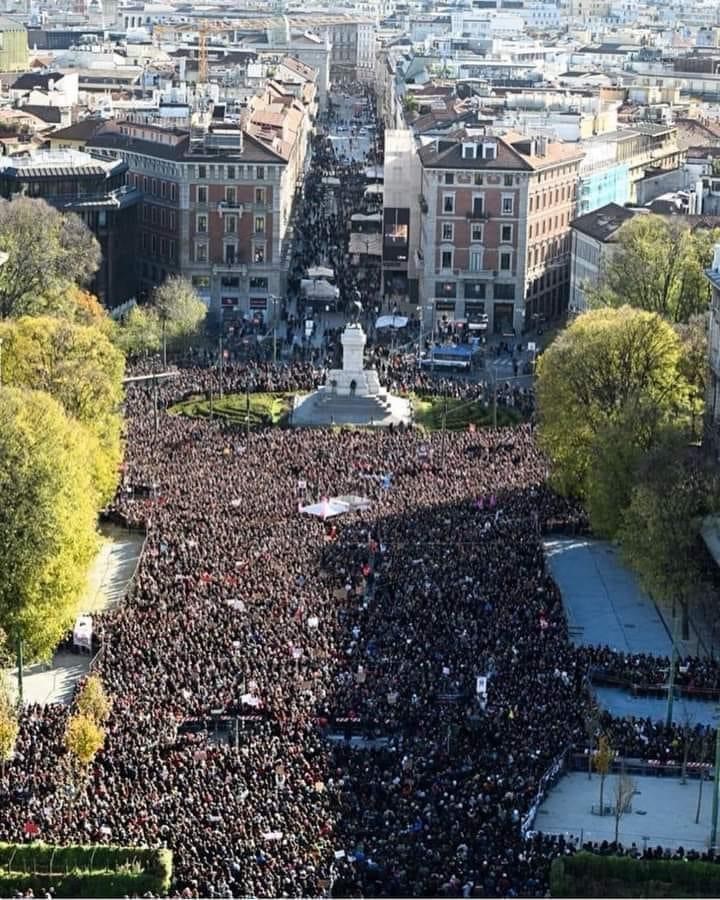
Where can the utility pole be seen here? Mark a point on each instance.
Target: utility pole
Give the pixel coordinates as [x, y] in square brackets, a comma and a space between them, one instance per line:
[156, 413]
[671, 679]
[20, 666]
[163, 320]
[444, 427]
[221, 366]
[247, 411]
[274, 299]
[495, 398]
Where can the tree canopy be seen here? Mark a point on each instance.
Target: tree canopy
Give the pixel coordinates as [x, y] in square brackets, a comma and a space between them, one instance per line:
[174, 316]
[78, 366]
[48, 507]
[660, 532]
[657, 265]
[610, 368]
[177, 304]
[48, 252]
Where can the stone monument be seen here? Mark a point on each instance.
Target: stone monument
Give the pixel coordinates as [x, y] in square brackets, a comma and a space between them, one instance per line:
[353, 380]
[351, 395]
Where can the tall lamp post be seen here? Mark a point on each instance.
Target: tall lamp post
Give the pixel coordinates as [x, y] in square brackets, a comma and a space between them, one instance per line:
[274, 303]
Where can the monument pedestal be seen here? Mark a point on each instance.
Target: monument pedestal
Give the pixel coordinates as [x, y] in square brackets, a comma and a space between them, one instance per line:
[351, 395]
[353, 380]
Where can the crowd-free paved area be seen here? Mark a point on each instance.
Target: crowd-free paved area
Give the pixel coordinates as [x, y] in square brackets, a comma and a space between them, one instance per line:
[685, 711]
[108, 580]
[112, 568]
[603, 601]
[663, 812]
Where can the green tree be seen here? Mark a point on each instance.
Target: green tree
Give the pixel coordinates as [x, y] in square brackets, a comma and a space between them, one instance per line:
[139, 332]
[48, 507]
[610, 367]
[615, 453]
[660, 530]
[79, 366]
[9, 726]
[693, 336]
[47, 252]
[84, 738]
[657, 265]
[180, 311]
[92, 701]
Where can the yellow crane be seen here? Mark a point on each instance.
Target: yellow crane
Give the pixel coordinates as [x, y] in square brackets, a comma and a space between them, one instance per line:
[206, 28]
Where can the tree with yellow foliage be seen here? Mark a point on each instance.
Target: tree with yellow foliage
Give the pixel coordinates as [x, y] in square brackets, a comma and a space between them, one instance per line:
[92, 700]
[8, 727]
[78, 366]
[48, 512]
[84, 738]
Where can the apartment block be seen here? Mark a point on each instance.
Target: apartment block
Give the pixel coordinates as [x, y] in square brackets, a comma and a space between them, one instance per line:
[217, 200]
[495, 236]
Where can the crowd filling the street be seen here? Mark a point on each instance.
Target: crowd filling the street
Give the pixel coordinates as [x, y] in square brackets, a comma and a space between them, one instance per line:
[366, 706]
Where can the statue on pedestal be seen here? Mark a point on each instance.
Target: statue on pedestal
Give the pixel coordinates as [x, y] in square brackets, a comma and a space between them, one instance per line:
[353, 380]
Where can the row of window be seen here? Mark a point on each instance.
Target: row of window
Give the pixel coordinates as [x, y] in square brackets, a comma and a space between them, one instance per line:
[231, 196]
[474, 290]
[478, 178]
[229, 282]
[477, 230]
[230, 224]
[230, 253]
[475, 260]
[507, 204]
[159, 247]
[549, 250]
[159, 215]
[228, 173]
[538, 228]
[537, 202]
[166, 190]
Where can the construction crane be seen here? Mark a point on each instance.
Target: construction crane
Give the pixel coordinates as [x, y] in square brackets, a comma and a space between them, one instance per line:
[206, 28]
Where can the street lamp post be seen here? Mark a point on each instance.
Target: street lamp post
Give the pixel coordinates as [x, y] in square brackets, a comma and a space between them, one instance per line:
[671, 679]
[274, 303]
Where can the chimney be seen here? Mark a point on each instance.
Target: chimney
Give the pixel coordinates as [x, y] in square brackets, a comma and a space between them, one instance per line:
[541, 145]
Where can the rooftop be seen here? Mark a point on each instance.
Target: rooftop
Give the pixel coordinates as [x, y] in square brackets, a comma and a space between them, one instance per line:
[604, 223]
[52, 163]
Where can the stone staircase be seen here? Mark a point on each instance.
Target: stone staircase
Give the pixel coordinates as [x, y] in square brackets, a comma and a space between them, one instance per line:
[334, 409]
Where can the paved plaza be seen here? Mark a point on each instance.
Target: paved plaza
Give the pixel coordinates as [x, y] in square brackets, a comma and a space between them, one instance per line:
[663, 811]
[686, 711]
[108, 579]
[603, 601]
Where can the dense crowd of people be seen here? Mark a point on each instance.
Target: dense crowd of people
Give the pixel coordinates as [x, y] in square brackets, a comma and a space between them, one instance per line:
[365, 706]
[362, 761]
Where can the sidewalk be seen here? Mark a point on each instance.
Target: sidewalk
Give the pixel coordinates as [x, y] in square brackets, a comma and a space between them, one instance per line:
[108, 580]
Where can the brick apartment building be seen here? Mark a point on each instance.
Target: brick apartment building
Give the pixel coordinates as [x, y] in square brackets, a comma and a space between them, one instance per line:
[217, 201]
[495, 235]
[95, 190]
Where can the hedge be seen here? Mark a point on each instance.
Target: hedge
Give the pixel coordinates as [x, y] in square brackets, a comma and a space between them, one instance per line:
[430, 411]
[265, 409]
[84, 871]
[592, 875]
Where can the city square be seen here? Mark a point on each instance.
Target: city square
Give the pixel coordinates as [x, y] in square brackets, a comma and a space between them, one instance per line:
[359, 476]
